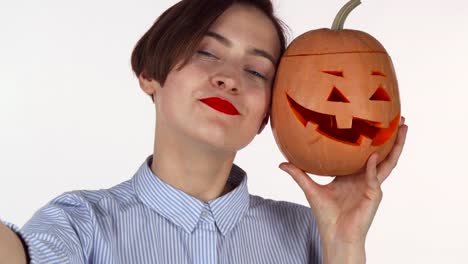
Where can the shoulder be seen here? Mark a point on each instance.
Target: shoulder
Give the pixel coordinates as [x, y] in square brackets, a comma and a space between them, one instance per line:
[65, 227]
[91, 202]
[282, 212]
[83, 206]
[275, 206]
[285, 221]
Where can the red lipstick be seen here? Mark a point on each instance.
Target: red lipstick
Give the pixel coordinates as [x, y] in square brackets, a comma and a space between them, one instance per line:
[221, 105]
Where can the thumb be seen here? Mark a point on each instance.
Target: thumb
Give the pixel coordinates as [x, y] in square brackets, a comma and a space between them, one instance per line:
[371, 171]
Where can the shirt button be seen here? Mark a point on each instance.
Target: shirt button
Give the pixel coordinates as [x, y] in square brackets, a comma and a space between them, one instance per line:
[204, 213]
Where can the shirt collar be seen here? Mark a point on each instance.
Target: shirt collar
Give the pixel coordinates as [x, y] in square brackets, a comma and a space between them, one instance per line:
[184, 210]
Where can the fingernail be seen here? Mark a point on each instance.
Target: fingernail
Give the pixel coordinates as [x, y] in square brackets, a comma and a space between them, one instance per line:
[283, 167]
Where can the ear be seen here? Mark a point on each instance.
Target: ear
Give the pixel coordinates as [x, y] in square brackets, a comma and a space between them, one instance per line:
[264, 123]
[148, 85]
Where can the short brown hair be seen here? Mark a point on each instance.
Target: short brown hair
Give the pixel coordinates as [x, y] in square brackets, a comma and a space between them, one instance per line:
[176, 33]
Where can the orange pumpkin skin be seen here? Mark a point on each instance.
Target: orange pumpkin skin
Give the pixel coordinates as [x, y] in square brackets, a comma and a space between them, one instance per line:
[335, 101]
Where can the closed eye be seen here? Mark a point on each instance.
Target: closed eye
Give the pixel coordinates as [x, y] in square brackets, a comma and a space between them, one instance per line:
[256, 74]
[206, 53]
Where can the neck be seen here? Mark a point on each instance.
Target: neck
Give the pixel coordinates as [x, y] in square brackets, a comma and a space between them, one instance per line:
[198, 170]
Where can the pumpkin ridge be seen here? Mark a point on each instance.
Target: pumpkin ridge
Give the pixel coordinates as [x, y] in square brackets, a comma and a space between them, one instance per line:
[333, 53]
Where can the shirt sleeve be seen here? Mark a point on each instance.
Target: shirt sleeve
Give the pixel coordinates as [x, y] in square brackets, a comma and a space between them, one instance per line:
[60, 232]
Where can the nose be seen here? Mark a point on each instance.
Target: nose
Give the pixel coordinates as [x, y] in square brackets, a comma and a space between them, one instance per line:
[226, 79]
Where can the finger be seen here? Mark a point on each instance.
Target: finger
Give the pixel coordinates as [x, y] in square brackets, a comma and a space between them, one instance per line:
[371, 171]
[308, 186]
[391, 161]
[402, 120]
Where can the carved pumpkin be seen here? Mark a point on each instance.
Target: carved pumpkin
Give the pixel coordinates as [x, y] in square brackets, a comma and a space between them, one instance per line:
[335, 100]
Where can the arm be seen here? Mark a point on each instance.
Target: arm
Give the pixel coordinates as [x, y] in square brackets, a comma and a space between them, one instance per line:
[12, 250]
[343, 253]
[60, 232]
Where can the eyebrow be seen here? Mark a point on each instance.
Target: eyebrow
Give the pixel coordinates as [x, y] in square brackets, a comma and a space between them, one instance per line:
[254, 51]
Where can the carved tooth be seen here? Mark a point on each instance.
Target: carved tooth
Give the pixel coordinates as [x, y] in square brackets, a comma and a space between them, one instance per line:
[365, 141]
[385, 124]
[381, 124]
[310, 126]
[313, 136]
[344, 121]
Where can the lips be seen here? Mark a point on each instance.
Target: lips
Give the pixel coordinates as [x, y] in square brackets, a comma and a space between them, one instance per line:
[220, 105]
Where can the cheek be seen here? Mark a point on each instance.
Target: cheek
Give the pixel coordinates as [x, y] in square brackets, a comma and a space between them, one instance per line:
[173, 95]
[202, 67]
[259, 102]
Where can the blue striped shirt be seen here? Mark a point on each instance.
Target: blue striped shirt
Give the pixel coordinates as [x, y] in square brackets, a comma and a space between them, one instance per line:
[145, 220]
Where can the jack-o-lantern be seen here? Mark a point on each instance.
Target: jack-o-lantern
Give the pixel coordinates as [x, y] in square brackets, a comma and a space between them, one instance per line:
[335, 100]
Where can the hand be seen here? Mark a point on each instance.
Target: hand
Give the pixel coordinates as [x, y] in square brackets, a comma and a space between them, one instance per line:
[344, 209]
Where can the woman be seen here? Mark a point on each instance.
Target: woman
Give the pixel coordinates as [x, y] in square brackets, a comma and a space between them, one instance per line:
[209, 67]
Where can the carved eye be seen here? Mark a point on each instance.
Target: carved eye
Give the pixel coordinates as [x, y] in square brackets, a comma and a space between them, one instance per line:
[380, 95]
[335, 73]
[378, 73]
[337, 96]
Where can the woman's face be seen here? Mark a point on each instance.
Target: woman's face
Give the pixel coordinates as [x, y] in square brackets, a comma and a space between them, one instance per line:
[235, 61]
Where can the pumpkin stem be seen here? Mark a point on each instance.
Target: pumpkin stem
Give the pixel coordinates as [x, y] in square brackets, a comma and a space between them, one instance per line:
[340, 18]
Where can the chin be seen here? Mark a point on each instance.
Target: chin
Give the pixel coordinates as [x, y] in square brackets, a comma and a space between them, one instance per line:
[223, 142]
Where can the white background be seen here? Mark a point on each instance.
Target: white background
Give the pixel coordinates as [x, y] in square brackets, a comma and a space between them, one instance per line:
[73, 117]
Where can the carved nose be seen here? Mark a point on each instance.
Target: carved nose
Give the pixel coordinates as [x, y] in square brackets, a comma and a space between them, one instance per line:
[337, 96]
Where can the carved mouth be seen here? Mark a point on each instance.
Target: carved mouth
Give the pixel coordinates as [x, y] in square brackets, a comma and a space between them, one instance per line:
[327, 126]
